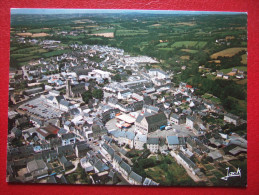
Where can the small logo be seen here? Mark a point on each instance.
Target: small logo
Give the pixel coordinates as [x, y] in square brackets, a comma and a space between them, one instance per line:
[232, 174]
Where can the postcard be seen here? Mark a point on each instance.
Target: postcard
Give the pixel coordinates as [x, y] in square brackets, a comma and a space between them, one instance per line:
[127, 97]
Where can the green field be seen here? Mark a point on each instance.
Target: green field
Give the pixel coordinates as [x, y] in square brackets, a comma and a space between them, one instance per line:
[189, 44]
[169, 174]
[242, 68]
[55, 53]
[103, 31]
[166, 49]
[122, 33]
[162, 44]
[189, 50]
[212, 98]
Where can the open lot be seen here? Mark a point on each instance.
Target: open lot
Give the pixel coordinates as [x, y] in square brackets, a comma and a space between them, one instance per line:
[40, 108]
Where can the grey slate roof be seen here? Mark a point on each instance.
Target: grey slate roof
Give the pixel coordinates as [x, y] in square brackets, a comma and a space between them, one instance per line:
[68, 136]
[135, 177]
[187, 160]
[153, 140]
[125, 166]
[117, 158]
[172, 140]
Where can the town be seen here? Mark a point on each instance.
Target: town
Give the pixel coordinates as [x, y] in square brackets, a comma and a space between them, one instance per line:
[96, 114]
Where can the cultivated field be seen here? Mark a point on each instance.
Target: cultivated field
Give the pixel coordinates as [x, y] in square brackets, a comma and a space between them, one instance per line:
[109, 34]
[227, 52]
[28, 34]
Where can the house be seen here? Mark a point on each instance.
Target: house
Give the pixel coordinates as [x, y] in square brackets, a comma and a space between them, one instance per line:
[98, 130]
[225, 77]
[187, 162]
[157, 73]
[220, 74]
[64, 105]
[162, 145]
[128, 138]
[173, 142]
[15, 132]
[215, 155]
[150, 109]
[55, 100]
[149, 182]
[22, 121]
[190, 121]
[177, 119]
[231, 118]
[153, 144]
[37, 122]
[65, 163]
[135, 179]
[68, 139]
[45, 133]
[116, 161]
[37, 168]
[113, 176]
[99, 166]
[125, 94]
[65, 150]
[81, 150]
[147, 123]
[125, 169]
[68, 125]
[139, 141]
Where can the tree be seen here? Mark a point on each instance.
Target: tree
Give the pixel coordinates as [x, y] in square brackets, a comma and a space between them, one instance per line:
[98, 93]
[117, 78]
[86, 96]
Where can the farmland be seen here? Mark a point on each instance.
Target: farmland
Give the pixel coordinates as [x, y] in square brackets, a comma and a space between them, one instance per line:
[189, 44]
[227, 52]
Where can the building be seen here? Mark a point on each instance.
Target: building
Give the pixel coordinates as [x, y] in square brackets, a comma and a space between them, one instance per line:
[37, 168]
[135, 179]
[74, 91]
[190, 121]
[231, 118]
[173, 142]
[139, 141]
[177, 119]
[68, 139]
[153, 144]
[48, 132]
[147, 123]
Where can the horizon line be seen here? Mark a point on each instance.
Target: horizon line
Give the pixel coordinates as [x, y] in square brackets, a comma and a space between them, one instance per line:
[55, 11]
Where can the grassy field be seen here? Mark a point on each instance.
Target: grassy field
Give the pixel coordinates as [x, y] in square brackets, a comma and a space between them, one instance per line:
[166, 49]
[169, 174]
[55, 53]
[185, 57]
[189, 50]
[103, 31]
[227, 52]
[212, 98]
[189, 44]
[242, 68]
[130, 32]
[244, 59]
[162, 44]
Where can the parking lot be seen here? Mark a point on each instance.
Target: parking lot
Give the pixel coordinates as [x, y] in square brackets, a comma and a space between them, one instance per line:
[179, 130]
[111, 125]
[40, 108]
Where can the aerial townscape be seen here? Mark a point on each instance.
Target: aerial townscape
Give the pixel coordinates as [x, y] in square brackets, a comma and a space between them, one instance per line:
[128, 98]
